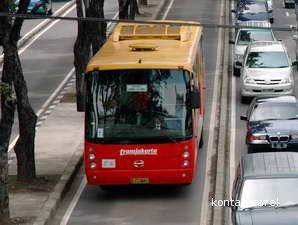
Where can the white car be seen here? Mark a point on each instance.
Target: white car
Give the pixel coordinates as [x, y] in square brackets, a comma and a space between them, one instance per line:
[246, 35]
[266, 70]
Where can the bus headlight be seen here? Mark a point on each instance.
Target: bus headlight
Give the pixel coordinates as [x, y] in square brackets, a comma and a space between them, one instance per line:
[93, 165]
[91, 156]
[185, 163]
[185, 154]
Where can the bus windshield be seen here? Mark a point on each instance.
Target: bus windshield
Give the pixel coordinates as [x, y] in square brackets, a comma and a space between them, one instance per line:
[138, 106]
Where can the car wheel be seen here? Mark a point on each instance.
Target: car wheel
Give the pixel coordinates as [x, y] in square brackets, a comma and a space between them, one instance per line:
[50, 12]
[236, 72]
[286, 5]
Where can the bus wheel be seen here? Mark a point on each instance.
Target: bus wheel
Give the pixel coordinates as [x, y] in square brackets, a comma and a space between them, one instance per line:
[201, 141]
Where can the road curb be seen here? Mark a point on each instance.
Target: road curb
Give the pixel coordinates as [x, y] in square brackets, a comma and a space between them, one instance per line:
[61, 187]
[220, 214]
[65, 181]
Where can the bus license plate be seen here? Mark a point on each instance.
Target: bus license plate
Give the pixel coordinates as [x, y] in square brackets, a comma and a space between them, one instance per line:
[144, 180]
[279, 145]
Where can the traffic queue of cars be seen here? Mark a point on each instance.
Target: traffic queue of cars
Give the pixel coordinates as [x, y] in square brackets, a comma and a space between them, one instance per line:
[265, 187]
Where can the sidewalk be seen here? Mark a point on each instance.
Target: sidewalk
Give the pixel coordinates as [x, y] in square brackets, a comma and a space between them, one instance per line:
[59, 149]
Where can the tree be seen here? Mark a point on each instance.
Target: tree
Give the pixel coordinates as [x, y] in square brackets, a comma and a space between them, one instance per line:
[13, 83]
[91, 36]
[128, 9]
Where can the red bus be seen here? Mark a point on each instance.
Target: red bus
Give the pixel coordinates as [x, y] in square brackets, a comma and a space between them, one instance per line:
[145, 106]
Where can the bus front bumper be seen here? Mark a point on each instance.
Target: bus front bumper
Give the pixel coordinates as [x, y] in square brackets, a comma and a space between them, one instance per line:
[126, 177]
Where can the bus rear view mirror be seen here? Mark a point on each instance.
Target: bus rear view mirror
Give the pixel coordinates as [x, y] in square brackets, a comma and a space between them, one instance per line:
[195, 99]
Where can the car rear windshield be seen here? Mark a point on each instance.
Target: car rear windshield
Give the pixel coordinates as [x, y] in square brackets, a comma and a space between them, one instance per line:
[258, 192]
[247, 36]
[267, 60]
[274, 111]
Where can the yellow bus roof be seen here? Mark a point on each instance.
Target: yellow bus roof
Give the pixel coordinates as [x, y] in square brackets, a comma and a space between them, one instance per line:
[135, 45]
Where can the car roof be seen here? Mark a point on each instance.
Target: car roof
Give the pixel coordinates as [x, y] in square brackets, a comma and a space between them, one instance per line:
[276, 99]
[254, 23]
[268, 46]
[270, 164]
[267, 165]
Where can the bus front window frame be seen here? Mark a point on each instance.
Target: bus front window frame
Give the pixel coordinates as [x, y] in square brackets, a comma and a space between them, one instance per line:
[164, 135]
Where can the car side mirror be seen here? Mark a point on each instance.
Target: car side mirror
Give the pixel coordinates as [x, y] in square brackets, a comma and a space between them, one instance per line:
[233, 11]
[231, 42]
[195, 99]
[295, 63]
[243, 118]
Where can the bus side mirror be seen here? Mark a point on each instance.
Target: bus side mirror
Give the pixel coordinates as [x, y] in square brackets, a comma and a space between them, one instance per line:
[195, 99]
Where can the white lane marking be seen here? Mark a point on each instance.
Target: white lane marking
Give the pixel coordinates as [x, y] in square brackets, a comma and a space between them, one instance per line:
[205, 202]
[74, 202]
[168, 10]
[46, 104]
[45, 30]
[287, 14]
[37, 27]
[83, 184]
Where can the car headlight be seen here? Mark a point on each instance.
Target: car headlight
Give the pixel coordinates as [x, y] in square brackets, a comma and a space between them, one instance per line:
[238, 57]
[248, 80]
[286, 80]
[259, 137]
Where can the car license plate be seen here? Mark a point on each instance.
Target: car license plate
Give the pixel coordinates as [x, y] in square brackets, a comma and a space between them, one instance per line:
[268, 90]
[144, 180]
[279, 145]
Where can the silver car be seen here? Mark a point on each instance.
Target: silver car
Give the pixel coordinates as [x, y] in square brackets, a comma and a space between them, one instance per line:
[266, 70]
[246, 35]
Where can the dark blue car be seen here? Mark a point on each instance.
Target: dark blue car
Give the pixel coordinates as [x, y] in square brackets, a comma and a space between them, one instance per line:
[254, 11]
[272, 124]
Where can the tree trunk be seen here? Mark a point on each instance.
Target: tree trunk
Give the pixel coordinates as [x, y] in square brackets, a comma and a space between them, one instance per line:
[91, 36]
[96, 31]
[8, 105]
[81, 57]
[128, 9]
[24, 147]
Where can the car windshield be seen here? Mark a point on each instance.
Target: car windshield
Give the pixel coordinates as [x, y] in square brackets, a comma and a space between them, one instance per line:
[252, 8]
[137, 106]
[259, 192]
[276, 111]
[246, 36]
[267, 60]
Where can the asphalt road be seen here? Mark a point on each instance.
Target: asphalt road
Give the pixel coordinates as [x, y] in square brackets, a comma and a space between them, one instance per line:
[168, 205]
[282, 18]
[30, 24]
[48, 60]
